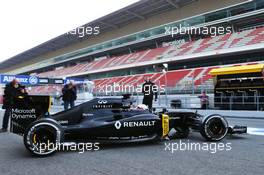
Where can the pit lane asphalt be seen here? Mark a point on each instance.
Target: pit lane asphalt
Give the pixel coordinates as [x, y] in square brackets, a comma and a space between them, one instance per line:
[246, 157]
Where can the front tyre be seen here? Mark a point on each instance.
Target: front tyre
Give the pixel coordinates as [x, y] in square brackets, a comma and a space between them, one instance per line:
[214, 128]
[43, 137]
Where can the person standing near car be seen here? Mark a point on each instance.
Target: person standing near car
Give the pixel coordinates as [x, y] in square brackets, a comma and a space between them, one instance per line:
[69, 95]
[12, 90]
[149, 89]
[204, 100]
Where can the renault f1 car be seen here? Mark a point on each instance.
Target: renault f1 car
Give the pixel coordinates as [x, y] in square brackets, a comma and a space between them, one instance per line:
[114, 120]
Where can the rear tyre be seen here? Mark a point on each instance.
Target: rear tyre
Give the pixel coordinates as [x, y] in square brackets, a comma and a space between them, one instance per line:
[214, 128]
[43, 137]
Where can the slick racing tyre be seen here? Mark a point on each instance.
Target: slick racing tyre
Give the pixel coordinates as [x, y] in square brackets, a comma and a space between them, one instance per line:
[43, 137]
[214, 128]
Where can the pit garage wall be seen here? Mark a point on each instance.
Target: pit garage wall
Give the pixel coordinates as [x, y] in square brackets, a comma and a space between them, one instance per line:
[196, 8]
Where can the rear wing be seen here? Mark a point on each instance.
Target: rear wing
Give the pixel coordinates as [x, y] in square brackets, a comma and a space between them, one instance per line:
[26, 110]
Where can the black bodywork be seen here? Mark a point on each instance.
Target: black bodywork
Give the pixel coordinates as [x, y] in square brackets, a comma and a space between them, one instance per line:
[116, 120]
[98, 119]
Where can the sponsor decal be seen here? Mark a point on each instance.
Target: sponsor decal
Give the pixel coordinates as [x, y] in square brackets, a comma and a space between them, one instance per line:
[118, 124]
[23, 79]
[58, 81]
[75, 80]
[132, 124]
[43, 80]
[87, 115]
[102, 101]
[23, 114]
[102, 104]
[33, 80]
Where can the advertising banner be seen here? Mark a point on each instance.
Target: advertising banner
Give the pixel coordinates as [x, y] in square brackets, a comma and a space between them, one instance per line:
[23, 79]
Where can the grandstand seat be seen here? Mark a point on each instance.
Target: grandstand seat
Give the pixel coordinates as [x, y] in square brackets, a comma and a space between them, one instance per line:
[154, 54]
[204, 77]
[134, 57]
[247, 37]
[175, 76]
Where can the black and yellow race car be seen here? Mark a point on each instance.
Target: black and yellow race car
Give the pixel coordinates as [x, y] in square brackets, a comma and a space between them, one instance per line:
[110, 120]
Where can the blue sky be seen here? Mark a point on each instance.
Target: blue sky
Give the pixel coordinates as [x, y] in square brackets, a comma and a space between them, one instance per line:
[27, 23]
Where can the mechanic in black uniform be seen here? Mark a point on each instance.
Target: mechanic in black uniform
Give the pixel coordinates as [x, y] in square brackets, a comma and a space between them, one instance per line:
[69, 95]
[11, 91]
[149, 89]
[22, 100]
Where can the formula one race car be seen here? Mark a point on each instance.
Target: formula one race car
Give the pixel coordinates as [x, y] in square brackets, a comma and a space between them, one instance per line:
[114, 120]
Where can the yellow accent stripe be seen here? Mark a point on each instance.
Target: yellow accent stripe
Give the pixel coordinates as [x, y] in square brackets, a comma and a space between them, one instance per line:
[49, 104]
[237, 69]
[34, 138]
[165, 125]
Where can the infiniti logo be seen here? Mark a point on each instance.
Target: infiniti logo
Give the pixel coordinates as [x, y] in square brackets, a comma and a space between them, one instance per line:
[102, 101]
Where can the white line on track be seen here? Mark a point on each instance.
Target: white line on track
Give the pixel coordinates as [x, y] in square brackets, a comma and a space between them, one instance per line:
[255, 131]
